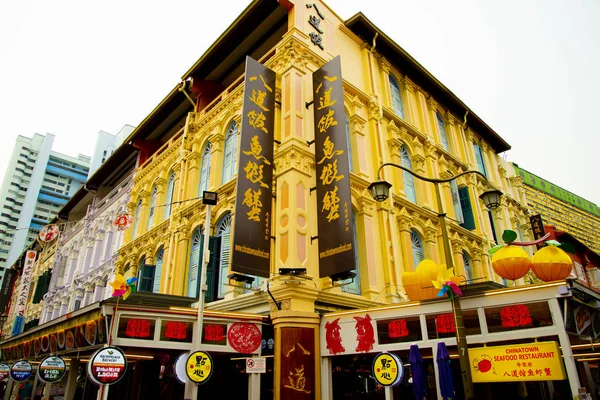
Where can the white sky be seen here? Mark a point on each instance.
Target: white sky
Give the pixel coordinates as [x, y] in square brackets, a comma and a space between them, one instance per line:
[529, 68]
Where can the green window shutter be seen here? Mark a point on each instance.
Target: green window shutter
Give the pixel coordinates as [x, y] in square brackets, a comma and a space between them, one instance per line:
[146, 278]
[467, 211]
[212, 276]
[456, 202]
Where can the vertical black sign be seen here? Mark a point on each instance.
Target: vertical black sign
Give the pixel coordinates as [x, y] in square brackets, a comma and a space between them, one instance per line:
[334, 206]
[537, 226]
[6, 289]
[252, 235]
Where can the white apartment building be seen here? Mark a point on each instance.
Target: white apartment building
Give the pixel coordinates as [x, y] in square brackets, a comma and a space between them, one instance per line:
[106, 143]
[36, 184]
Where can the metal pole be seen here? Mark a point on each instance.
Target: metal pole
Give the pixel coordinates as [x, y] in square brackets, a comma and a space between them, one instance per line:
[461, 338]
[191, 389]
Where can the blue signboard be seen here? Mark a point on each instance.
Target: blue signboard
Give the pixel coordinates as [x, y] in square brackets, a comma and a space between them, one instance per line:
[18, 325]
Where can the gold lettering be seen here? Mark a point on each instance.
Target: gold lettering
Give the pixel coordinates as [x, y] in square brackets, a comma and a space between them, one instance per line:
[329, 150]
[327, 121]
[331, 203]
[258, 120]
[252, 200]
[329, 174]
[254, 173]
[325, 100]
[255, 150]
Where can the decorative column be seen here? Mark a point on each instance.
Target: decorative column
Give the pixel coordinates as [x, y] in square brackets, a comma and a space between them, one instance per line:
[478, 271]
[297, 353]
[404, 224]
[99, 287]
[88, 294]
[179, 266]
[431, 241]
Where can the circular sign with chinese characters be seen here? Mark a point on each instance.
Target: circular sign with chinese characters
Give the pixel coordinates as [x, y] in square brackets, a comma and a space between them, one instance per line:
[107, 366]
[387, 369]
[21, 371]
[199, 367]
[52, 369]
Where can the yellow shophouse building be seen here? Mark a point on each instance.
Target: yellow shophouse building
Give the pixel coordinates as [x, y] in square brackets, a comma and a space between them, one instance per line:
[396, 111]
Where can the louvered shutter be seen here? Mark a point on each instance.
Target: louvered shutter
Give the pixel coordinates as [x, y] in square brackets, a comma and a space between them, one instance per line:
[467, 211]
[456, 201]
[158, 271]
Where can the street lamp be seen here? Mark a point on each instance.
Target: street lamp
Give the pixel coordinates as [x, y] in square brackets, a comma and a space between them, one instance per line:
[209, 199]
[380, 191]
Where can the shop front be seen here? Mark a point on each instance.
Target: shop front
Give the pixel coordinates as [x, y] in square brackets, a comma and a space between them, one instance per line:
[518, 347]
[154, 335]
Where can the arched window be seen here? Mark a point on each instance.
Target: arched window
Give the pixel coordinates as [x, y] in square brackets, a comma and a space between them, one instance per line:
[230, 154]
[136, 220]
[442, 128]
[194, 265]
[160, 255]
[145, 276]
[396, 97]
[169, 198]
[152, 205]
[354, 286]
[409, 180]
[204, 170]
[468, 270]
[224, 232]
[349, 148]
[417, 248]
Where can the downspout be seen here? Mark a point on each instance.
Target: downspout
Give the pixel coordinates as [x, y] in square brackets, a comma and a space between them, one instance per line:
[181, 88]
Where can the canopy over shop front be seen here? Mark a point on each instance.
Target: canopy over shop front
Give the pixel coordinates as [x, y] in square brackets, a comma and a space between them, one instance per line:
[152, 330]
[508, 321]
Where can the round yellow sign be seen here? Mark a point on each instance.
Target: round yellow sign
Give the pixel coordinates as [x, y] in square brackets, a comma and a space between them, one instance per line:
[387, 369]
[199, 367]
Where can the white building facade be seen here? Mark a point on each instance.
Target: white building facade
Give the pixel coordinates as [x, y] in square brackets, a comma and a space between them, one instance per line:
[36, 184]
[85, 258]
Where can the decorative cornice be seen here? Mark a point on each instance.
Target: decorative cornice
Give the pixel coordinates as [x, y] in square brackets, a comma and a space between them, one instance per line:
[294, 157]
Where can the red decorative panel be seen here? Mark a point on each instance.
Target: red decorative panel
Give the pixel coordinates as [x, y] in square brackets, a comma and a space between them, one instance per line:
[214, 333]
[333, 337]
[297, 364]
[397, 328]
[365, 334]
[515, 315]
[138, 328]
[445, 324]
[243, 337]
[176, 330]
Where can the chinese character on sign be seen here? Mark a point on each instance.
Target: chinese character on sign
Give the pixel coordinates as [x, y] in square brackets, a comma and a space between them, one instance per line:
[331, 204]
[257, 120]
[315, 22]
[256, 150]
[329, 150]
[254, 173]
[252, 200]
[327, 121]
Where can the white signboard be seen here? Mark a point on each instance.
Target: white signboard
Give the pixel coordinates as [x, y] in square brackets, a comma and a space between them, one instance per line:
[256, 365]
[25, 282]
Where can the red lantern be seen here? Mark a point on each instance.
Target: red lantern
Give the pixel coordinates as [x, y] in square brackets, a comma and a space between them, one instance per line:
[49, 233]
[445, 323]
[138, 328]
[176, 330]
[515, 315]
[397, 328]
[123, 221]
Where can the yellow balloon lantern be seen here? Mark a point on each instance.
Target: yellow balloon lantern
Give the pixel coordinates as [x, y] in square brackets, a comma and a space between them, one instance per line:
[418, 284]
[551, 264]
[511, 262]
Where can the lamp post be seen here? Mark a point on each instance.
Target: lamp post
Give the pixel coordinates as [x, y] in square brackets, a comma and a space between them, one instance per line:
[209, 199]
[380, 190]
